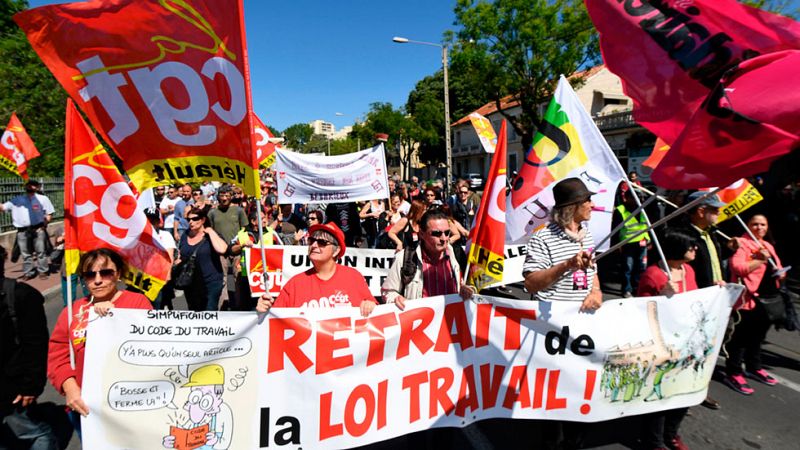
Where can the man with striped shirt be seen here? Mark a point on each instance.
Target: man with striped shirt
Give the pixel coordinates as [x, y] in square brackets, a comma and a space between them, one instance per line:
[558, 265]
[433, 268]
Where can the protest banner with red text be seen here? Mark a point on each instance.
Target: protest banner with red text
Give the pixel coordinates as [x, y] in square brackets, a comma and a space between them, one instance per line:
[672, 57]
[100, 210]
[16, 148]
[327, 378]
[165, 83]
[488, 234]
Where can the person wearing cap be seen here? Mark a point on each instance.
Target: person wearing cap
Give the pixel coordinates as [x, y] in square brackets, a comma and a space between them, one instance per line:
[559, 267]
[710, 254]
[327, 284]
[205, 406]
[30, 214]
[431, 268]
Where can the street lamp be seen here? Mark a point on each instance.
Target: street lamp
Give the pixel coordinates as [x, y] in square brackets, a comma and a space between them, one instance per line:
[448, 149]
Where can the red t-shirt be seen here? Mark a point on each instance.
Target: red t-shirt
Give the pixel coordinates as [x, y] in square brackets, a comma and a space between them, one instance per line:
[345, 288]
[654, 279]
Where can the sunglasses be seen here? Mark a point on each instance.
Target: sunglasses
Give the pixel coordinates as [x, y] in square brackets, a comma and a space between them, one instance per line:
[197, 193]
[320, 242]
[105, 274]
[194, 219]
[313, 218]
[464, 192]
[439, 233]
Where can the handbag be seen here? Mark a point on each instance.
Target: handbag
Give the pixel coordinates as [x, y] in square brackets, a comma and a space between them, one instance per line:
[771, 297]
[183, 273]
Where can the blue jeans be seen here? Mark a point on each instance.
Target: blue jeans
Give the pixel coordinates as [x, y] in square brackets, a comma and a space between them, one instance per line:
[633, 266]
[24, 239]
[18, 428]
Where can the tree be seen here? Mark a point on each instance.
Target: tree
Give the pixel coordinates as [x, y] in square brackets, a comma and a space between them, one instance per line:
[30, 89]
[298, 135]
[519, 48]
[402, 132]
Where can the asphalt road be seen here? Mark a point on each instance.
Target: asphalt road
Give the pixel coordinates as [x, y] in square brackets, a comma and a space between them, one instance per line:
[764, 420]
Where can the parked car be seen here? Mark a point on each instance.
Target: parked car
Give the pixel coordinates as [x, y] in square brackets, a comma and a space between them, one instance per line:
[475, 180]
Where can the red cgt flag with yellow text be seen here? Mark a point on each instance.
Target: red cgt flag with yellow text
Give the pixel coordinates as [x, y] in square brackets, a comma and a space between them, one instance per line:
[16, 148]
[265, 149]
[488, 233]
[165, 82]
[100, 210]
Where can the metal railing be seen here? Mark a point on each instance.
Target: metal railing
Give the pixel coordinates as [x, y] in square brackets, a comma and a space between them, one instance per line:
[615, 121]
[53, 188]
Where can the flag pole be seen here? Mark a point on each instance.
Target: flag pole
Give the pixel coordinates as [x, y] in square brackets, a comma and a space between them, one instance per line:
[622, 224]
[661, 221]
[755, 239]
[69, 321]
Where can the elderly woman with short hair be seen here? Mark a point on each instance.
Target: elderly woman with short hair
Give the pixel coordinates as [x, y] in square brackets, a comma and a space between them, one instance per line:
[327, 284]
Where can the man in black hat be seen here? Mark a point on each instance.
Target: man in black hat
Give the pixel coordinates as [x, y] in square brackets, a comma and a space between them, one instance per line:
[558, 265]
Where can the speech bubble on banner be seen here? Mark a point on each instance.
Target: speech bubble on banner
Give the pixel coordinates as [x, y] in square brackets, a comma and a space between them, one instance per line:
[161, 353]
[141, 395]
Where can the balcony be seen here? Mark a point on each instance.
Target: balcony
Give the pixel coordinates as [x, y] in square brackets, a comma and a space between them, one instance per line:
[616, 121]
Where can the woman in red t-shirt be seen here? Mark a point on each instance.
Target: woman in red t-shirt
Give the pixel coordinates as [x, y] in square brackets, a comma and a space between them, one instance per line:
[101, 270]
[660, 429]
[327, 284]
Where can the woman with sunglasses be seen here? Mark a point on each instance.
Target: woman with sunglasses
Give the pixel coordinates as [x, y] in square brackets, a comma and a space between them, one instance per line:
[315, 217]
[327, 284]
[101, 270]
[660, 429]
[208, 247]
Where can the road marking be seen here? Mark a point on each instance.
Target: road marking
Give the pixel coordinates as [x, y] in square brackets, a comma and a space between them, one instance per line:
[786, 382]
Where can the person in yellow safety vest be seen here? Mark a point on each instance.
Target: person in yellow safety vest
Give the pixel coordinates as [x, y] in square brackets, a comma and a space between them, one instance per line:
[248, 237]
[205, 407]
[634, 253]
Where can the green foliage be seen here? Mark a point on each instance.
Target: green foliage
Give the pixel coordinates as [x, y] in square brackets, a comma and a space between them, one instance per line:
[298, 135]
[28, 88]
[786, 8]
[519, 48]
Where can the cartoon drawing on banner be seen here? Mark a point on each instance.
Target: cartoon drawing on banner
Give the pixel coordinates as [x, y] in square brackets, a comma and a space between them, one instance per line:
[209, 421]
[629, 368]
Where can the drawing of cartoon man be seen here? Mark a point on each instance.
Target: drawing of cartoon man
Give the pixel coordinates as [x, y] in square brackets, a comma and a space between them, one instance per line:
[206, 409]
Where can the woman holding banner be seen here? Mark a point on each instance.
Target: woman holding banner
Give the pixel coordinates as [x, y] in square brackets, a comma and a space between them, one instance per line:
[101, 270]
[755, 264]
[660, 429]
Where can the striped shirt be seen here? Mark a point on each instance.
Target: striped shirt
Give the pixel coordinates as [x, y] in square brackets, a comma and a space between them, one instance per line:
[550, 246]
[437, 276]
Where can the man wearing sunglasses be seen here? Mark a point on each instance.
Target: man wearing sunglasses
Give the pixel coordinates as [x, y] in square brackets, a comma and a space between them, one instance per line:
[327, 284]
[431, 268]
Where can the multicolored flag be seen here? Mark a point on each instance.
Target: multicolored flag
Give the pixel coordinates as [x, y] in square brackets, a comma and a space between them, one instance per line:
[16, 148]
[567, 144]
[265, 150]
[166, 83]
[485, 132]
[659, 151]
[737, 197]
[100, 210]
[672, 56]
[487, 236]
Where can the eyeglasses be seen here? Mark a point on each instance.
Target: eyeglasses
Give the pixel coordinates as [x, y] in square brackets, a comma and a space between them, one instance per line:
[194, 218]
[439, 233]
[313, 218]
[320, 242]
[105, 274]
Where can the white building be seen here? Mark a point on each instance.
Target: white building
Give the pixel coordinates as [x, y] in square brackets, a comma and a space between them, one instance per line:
[323, 128]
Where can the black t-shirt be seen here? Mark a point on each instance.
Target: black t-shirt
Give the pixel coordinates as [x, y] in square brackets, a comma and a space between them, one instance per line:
[207, 263]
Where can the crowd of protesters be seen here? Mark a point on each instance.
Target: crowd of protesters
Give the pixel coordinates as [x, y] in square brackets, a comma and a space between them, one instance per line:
[213, 225]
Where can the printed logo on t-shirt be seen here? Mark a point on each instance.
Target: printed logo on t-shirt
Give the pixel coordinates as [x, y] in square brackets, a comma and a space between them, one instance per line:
[337, 300]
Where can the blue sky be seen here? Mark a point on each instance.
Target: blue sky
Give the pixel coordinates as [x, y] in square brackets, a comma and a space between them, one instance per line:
[310, 59]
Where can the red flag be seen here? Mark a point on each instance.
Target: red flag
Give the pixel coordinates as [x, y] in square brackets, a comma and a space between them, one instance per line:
[265, 150]
[101, 211]
[659, 151]
[17, 148]
[672, 55]
[488, 233]
[165, 83]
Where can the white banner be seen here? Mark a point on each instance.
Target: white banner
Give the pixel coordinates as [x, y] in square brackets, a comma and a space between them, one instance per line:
[358, 176]
[326, 378]
[284, 262]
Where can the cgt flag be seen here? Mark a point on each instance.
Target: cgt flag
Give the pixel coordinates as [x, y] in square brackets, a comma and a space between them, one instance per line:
[671, 57]
[567, 144]
[265, 150]
[487, 235]
[166, 83]
[101, 211]
[17, 148]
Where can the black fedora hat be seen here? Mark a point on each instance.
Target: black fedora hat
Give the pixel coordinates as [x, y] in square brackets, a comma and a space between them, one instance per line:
[570, 191]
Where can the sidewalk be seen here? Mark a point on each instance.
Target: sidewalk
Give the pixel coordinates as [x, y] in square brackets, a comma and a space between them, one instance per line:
[50, 286]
